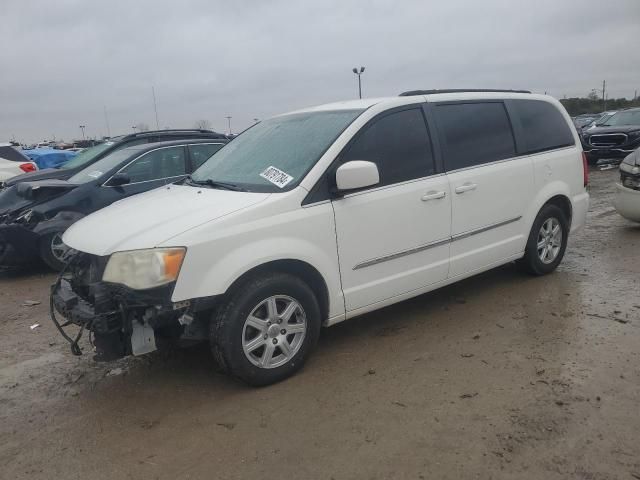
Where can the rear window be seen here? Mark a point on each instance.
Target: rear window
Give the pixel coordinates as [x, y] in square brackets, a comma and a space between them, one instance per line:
[543, 126]
[9, 153]
[474, 133]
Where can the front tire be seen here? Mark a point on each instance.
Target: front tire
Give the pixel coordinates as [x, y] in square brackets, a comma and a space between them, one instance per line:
[547, 241]
[266, 329]
[53, 250]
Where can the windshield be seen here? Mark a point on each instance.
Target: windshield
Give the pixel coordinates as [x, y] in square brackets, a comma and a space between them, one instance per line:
[277, 153]
[87, 155]
[631, 117]
[101, 167]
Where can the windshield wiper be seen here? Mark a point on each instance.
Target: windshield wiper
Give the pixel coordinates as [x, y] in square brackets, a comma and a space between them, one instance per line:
[215, 184]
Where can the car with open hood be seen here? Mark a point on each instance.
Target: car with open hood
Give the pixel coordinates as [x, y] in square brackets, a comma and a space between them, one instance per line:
[616, 137]
[94, 153]
[34, 215]
[313, 217]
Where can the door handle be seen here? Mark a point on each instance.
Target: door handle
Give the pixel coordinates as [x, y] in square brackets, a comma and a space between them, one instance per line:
[433, 196]
[466, 187]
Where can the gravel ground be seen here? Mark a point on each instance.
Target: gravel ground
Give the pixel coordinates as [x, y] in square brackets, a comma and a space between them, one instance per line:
[500, 376]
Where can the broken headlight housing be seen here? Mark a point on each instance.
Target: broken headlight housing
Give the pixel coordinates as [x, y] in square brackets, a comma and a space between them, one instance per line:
[143, 269]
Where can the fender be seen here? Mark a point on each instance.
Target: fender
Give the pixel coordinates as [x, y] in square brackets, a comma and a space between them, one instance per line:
[59, 223]
[224, 271]
[548, 191]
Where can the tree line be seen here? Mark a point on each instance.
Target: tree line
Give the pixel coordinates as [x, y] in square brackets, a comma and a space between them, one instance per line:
[593, 104]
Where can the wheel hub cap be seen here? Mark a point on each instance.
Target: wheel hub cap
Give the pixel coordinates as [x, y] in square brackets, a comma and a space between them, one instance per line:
[274, 331]
[549, 240]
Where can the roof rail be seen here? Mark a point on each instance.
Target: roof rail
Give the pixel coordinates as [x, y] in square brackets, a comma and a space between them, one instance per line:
[411, 93]
[175, 130]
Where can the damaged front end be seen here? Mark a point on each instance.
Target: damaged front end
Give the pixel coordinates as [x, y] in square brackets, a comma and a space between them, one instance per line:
[121, 321]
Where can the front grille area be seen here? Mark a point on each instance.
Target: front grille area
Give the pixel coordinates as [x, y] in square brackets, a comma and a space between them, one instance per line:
[608, 139]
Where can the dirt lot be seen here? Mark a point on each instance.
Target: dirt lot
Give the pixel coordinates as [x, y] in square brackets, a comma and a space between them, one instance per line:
[500, 376]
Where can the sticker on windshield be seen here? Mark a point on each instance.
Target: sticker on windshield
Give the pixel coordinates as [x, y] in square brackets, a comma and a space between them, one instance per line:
[95, 174]
[276, 176]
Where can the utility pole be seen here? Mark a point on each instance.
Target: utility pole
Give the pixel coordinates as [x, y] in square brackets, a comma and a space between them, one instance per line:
[106, 120]
[604, 100]
[359, 73]
[82, 127]
[228, 117]
[155, 107]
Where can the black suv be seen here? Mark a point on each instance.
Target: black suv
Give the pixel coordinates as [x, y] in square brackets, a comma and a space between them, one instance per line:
[616, 138]
[95, 153]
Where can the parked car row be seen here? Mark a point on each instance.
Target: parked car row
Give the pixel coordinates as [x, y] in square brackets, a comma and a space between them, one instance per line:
[13, 162]
[615, 135]
[311, 218]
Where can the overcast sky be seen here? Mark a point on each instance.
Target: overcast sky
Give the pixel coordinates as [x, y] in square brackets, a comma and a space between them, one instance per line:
[63, 61]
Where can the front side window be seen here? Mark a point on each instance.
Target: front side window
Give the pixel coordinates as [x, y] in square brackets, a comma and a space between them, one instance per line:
[101, 167]
[157, 164]
[277, 153]
[474, 133]
[200, 153]
[398, 143]
[543, 126]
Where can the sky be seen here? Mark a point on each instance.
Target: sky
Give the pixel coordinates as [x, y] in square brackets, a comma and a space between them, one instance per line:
[65, 62]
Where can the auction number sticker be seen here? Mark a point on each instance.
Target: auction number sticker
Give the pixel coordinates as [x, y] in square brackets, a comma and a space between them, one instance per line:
[276, 176]
[95, 174]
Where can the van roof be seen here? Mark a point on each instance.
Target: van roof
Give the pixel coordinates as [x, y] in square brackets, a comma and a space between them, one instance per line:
[427, 95]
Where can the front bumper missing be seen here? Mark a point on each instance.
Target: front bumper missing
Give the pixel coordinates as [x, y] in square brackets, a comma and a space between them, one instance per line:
[120, 321]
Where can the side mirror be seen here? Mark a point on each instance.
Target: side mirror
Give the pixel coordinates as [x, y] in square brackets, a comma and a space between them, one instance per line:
[357, 174]
[119, 179]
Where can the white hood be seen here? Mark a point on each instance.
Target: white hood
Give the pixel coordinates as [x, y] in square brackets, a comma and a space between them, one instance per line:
[149, 219]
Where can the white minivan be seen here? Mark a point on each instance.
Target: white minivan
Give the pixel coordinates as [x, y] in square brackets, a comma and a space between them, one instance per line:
[317, 216]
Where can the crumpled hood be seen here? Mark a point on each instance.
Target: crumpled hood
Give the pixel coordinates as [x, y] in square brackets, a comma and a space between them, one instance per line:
[149, 219]
[28, 194]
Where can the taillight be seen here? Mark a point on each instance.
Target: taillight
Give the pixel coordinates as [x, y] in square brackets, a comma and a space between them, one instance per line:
[585, 169]
[27, 167]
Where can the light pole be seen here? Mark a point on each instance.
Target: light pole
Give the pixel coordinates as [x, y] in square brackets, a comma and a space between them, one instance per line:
[358, 73]
[82, 127]
[228, 117]
[134, 129]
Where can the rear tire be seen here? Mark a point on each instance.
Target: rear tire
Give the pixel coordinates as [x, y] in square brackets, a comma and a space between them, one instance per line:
[266, 328]
[52, 249]
[547, 241]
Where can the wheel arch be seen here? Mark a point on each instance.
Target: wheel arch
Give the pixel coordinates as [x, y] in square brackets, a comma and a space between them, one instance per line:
[299, 268]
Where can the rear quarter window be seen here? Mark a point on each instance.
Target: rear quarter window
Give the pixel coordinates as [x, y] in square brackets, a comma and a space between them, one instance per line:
[543, 126]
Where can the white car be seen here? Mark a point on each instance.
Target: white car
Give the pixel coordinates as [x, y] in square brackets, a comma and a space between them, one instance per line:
[317, 216]
[13, 162]
[627, 197]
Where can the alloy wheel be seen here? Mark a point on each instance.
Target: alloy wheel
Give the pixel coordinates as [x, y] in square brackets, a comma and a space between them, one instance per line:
[549, 240]
[274, 331]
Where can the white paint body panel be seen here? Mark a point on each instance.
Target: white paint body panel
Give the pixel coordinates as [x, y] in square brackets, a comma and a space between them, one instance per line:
[9, 169]
[374, 224]
[228, 233]
[627, 202]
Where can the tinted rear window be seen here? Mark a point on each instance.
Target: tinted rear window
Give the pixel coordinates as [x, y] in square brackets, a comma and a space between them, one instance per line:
[543, 126]
[474, 133]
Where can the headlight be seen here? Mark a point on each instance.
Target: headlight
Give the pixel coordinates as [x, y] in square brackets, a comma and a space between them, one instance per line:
[142, 269]
[634, 134]
[629, 168]
[24, 217]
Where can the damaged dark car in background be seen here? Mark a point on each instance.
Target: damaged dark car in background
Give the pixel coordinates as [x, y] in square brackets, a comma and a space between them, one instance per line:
[34, 215]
